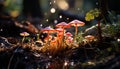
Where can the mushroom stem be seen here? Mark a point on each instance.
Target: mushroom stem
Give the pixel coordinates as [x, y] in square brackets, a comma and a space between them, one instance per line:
[63, 33]
[48, 35]
[76, 32]
[48, 38]
[38, 38]
[59, 40]
[62, 40]
[23, 39]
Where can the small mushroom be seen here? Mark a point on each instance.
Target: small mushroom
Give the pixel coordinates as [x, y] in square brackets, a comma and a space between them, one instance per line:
[59, 35]
[63, 25]
[76, 23]
[24, 34]
[89, 37]
[59, 32]
[48, 30]
[69, 40]
[68, 34]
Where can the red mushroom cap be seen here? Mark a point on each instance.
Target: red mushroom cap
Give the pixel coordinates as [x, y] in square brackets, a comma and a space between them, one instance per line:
[69, 39]
[59, 30]
[68, 34]
[77, 23]
[63, 25]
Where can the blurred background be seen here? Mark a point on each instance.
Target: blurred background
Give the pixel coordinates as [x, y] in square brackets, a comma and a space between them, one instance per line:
[50, 12]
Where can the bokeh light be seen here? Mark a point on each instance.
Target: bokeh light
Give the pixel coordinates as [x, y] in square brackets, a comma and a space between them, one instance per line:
[52, 10]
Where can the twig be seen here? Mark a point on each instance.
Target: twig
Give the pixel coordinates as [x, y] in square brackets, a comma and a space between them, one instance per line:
[10, 61]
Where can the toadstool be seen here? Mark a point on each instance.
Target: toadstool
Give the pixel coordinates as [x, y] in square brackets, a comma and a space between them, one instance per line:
[48, 30]
[76, 23]
[63, 25]
[24, 34]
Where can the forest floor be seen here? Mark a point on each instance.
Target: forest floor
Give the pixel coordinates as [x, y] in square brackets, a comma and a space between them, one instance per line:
[105, 54]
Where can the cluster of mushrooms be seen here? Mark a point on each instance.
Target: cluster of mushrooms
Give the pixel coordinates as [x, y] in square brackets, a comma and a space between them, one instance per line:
[62, 37]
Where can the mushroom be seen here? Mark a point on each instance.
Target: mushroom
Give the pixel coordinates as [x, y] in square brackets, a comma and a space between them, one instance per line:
[24, 34]
[59, 32]
[48, 30]
[69, 40]
[76, 23]
[63, 25]
[59, 35]
[68, 34]
[89, 37]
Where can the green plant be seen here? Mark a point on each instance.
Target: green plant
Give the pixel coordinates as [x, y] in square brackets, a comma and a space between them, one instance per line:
[111, 30]
[92, 14]
[95, 14]
[80, 37]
